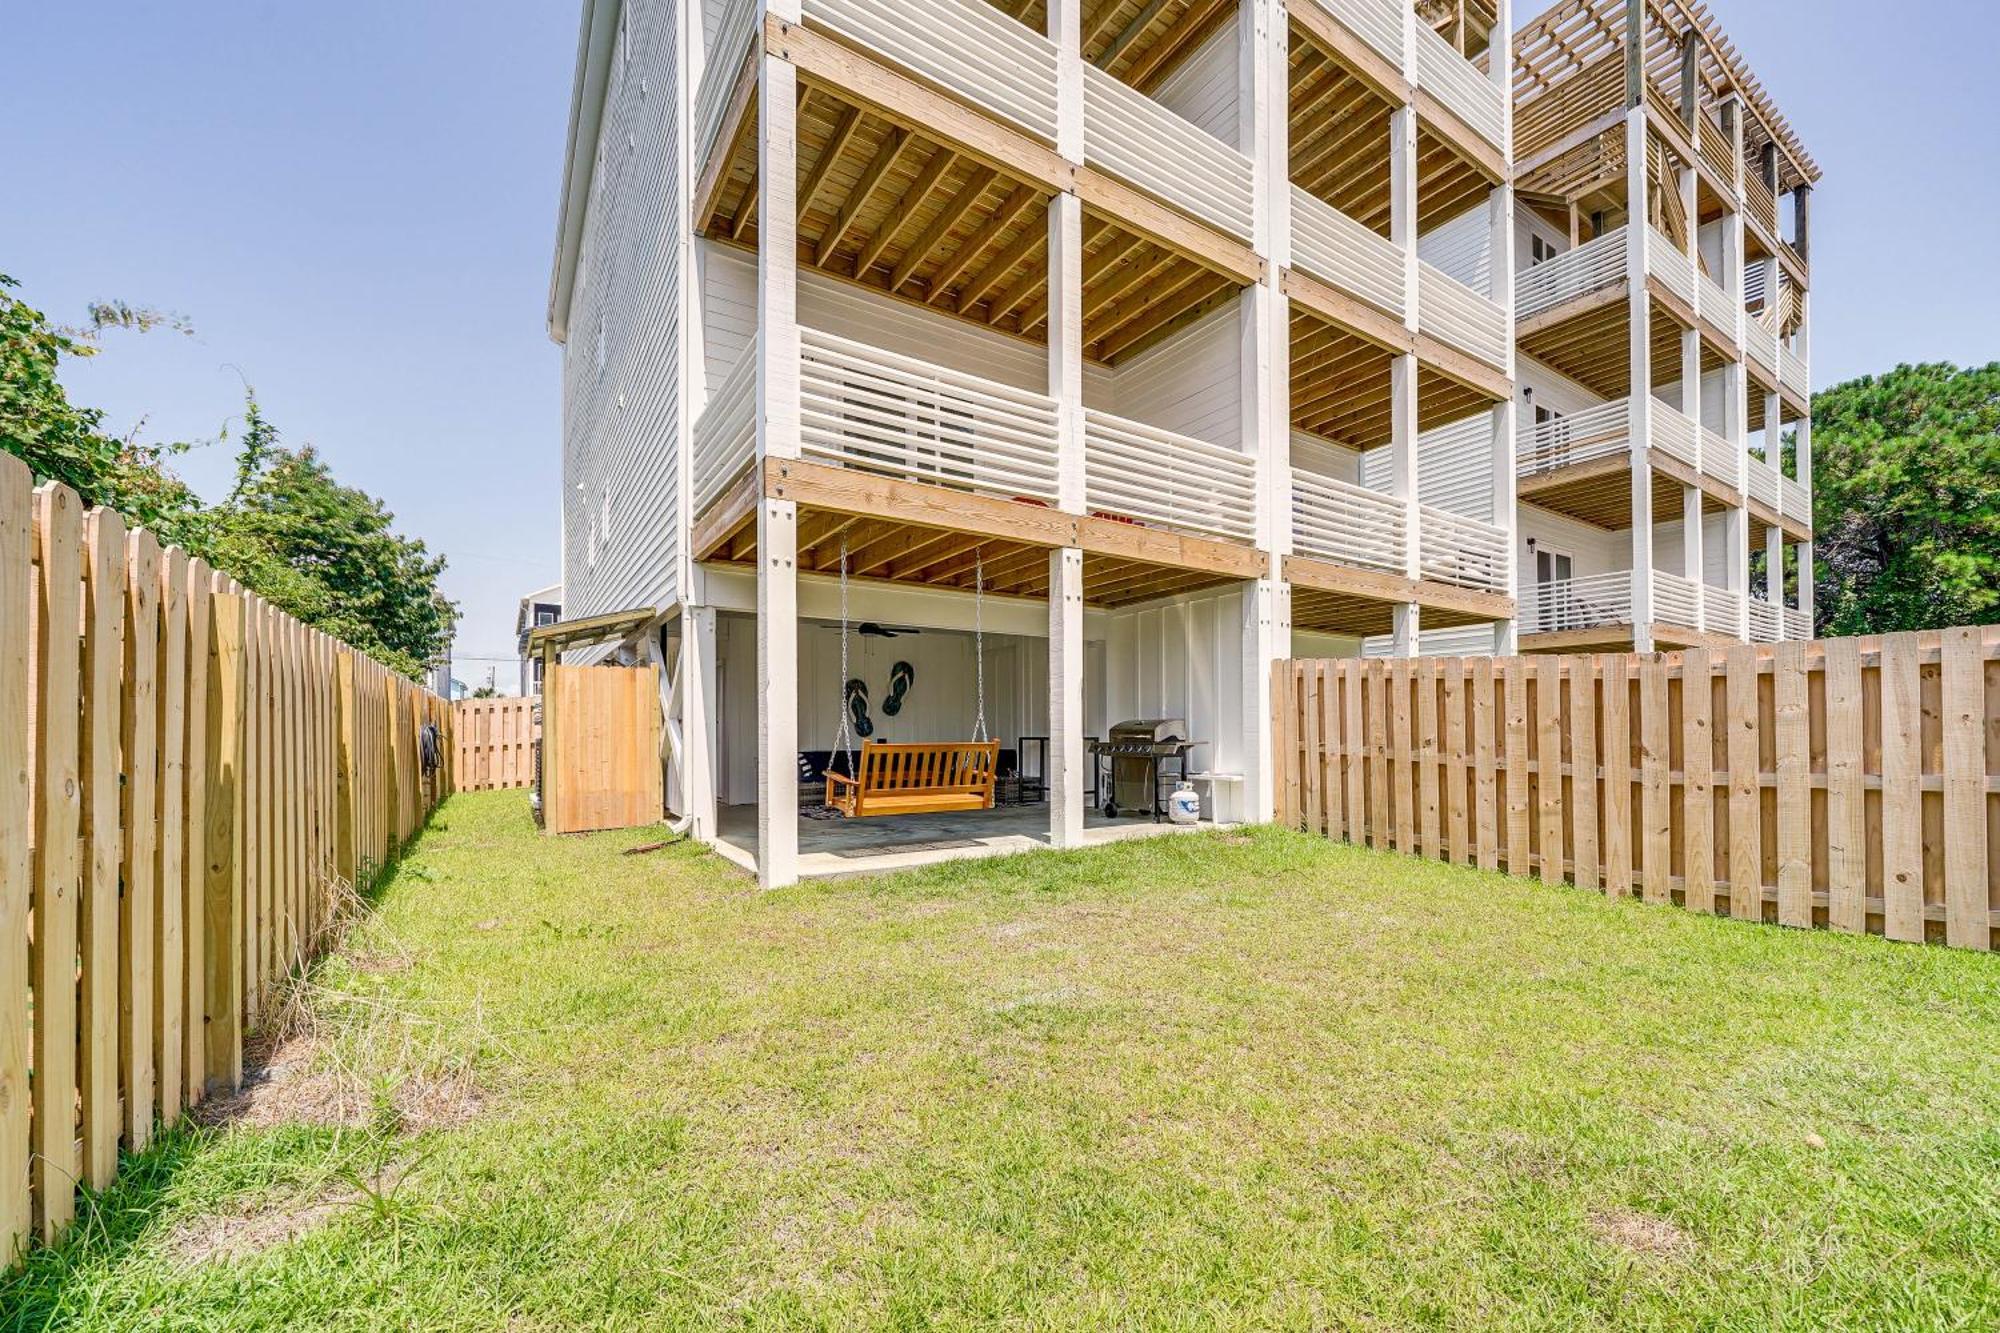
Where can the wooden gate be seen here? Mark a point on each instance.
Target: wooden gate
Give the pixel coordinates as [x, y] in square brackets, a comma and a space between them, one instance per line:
[496, 743]
[601, 748]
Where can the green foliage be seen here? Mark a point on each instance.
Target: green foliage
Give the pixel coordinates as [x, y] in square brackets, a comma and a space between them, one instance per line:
[1906, 500]
[327, 553]
[324, 552]
[63, 442]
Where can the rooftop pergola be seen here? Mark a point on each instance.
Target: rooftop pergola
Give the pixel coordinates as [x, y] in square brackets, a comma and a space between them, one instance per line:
[1577, 35]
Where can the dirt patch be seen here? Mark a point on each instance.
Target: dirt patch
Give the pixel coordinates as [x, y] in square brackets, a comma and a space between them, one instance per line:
[229, 1237]
[291, 1084]
[1640, 1233]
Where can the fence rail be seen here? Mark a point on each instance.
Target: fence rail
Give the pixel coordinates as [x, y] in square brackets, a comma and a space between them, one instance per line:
[496, 741]
[1848, 784]
[186, 774]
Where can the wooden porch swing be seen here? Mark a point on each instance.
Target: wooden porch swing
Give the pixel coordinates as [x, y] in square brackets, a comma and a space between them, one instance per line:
[915, 778]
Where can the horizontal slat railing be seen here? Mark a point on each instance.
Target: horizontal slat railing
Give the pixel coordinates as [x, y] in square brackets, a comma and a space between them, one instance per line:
[1133, 137]
[1798, 625]
[1339, 251]
[1759, 201]
[1721, 610]
[1167, 480]
[1844, 784]
[1452, 312]
[1718, 154]
[1767, 625]
[877, 411]
[1794, 500]
[1713, 303]
[725, 437]
[1674, 434]
[1347, 524]
[1676, 600]
[1588, 268]
[733, 36]
[1669, 263]
[1721, 459]
[1761, 481]
[1761, 343]
[1594, 601]
[965, 46]
[1456, 82]
[1596, 432]
[1793, 372]
[1462, 551]
[1379, 23]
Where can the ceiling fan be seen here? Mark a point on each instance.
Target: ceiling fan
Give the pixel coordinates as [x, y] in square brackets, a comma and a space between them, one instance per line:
[873, 630]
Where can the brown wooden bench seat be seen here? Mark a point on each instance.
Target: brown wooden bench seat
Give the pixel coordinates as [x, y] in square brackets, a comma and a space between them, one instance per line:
[900, 778]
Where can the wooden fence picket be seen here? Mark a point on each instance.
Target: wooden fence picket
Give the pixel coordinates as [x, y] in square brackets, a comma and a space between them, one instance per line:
[19, 590]
[1851, 784]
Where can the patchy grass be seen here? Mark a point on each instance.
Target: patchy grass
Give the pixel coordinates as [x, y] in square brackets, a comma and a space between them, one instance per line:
[1244, 1082]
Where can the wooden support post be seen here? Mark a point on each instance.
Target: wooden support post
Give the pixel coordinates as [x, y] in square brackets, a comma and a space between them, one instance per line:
[222, 935]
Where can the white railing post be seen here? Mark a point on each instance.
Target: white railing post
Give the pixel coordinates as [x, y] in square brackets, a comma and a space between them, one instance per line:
[1403, 373]
[1506, 415]
[1638, 239]
[777, 439]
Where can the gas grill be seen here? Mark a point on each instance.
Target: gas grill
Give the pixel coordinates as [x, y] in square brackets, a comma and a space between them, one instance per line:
[1129, 767]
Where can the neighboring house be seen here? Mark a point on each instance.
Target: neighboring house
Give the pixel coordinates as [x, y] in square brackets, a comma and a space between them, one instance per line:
[1145, 345]
[540, 607]
[439, 680]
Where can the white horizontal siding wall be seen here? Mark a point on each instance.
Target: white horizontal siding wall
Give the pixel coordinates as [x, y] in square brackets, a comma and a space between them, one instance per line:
[1202, 89]
[1552, 389]
[1454, 468]
[1189, 383]
[729, 290]
[1462, 248]
[1591, 548]
[1306, 644]
[622, 381]
[1458, 641]
[1326, 458]
[1668, 548]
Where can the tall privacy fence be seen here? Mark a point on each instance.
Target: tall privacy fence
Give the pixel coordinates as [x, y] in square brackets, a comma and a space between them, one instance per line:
[496, 743]
[190, 781]
[1852, 783]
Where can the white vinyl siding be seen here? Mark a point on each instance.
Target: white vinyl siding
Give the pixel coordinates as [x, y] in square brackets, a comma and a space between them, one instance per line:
[1189, 383]
[1182, 658]
[621, 423]
[1462, 248]
[1202, 89]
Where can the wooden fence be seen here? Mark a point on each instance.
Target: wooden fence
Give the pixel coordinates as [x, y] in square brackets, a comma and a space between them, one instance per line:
[186, 774]
[1852, 784]
[496, 743]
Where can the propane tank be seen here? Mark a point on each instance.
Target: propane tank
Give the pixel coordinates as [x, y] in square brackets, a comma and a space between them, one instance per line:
[1184, 806]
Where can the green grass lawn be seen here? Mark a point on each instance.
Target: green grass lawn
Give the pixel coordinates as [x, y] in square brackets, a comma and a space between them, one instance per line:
[1217, 1081]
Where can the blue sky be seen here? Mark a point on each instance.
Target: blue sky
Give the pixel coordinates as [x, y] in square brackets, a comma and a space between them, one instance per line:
[354, 203]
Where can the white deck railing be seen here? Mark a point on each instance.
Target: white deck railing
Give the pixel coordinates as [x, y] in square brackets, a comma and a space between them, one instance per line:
[1721, 611]
[733, 34]
[1669, 263]
[1761, 343]
[1767, 622]
[1793, 372]
[725, 435]
[1676, 600]
[1452, 312]
[1130, 135]
[1721, 459]
[1794, 500]
[1339, 251]
[1591, 602]
[1596, 432]
[1713, 304]
[1347, 524]
[1465, 552]
[896, 416]
[1575, 273]
[1166, 480]
[966, 46]
[1456, 82]
[1761, 480]
[1798, 625]
[1379, 23]
[1675, 434]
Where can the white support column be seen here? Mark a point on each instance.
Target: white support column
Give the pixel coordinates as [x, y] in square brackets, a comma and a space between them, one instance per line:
[777, 438]
[1267, 621]
[1736, 377]
[1065, 29]
[1407, 625]
[1693, 566]
[1506, 414]
[1640, 351]
[1774, 573]
[698, 719]
[1066, 777]
[1802, 457]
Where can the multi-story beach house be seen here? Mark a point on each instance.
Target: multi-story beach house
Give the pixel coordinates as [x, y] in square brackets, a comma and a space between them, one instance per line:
[1015, 369]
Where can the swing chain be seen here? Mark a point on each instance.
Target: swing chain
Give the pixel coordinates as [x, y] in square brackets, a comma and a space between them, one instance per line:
[979, 641]
[843, 739]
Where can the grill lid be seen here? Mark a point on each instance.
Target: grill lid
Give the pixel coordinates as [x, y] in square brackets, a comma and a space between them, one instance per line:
[1153, 731]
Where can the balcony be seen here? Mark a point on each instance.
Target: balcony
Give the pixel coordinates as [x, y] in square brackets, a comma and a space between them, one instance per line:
[1133, 137]
[1779, 493]
[1572, 275]
[1760, 343]
[1461, 87]
[1598, 432]
[1563, 606]
[1670, 266]
[1337, 250]
[1794, 373]
[1721, 459]
[1164, 480]
[1714, 304]
[1463, 552]
[1454, 314]
[725, 435]
[967, 47]
[1349, 525]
